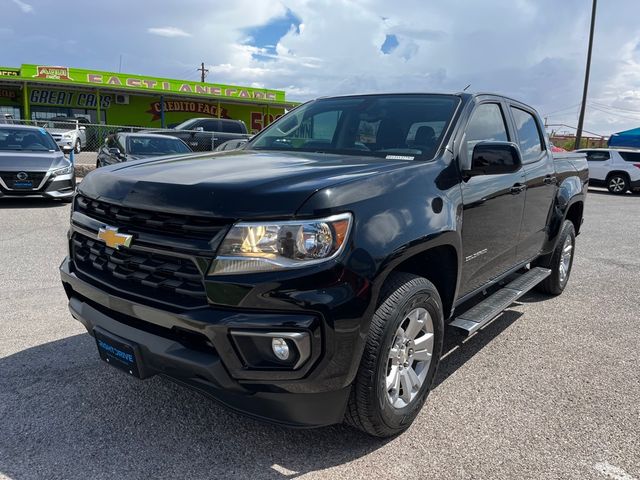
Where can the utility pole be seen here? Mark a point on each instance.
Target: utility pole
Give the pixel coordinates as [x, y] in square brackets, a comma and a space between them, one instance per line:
[203, 72]
[586, 77]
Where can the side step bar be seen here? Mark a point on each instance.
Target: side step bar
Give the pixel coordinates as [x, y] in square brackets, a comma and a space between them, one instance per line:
[478, 316]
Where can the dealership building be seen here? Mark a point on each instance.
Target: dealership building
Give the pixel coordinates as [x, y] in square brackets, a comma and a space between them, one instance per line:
[40, 92]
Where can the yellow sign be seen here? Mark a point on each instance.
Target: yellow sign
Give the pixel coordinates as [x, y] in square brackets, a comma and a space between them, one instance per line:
[113, 239]
[52, 73]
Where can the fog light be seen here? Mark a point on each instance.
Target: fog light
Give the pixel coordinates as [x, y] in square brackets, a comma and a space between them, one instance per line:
[280, 348]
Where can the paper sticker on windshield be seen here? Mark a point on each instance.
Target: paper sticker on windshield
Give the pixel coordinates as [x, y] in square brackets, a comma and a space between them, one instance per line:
[399, 157]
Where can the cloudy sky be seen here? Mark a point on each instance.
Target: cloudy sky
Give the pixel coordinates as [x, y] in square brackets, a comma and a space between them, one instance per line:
[533, 50]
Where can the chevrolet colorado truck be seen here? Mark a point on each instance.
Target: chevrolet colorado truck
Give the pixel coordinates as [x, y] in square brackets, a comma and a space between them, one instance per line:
[307, 278]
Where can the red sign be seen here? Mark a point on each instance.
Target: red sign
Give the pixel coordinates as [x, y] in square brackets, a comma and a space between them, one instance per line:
[186, 106]
[53, 73]
[8, 93]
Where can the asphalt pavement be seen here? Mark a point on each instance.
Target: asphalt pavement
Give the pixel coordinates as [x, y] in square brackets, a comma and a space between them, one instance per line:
[549, 390]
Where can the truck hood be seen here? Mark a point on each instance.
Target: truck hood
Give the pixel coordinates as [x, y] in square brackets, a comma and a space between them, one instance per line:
[11, 161]
[237, 184]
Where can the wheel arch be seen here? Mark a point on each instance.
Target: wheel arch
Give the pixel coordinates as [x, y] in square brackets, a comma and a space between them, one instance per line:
[574, 214]
[618, 172]
[439, 262]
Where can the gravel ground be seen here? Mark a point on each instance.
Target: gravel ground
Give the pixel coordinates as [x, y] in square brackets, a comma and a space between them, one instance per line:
[550, 389]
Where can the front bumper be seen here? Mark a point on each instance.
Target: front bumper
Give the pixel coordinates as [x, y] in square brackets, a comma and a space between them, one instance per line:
[60, 186]
[196, 348]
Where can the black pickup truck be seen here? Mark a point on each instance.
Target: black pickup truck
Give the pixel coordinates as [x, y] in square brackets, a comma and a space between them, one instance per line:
[307, 278]
[205, 134]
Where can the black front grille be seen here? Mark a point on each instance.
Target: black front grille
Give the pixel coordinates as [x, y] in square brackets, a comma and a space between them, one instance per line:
[162, 278]
[32, 180]
[188, 226]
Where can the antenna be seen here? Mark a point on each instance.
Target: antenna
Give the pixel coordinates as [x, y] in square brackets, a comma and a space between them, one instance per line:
[465, 88]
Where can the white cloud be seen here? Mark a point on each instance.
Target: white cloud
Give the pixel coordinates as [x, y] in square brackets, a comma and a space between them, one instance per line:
[167, 31]
[25, 7]
[533, 50]
[510, 47]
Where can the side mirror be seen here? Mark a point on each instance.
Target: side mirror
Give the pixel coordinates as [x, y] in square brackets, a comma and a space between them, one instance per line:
[199, 129]
[66, 149]
[494, 158]
[114, 151]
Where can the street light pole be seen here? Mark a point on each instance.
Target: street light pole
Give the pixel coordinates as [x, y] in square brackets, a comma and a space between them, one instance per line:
[586, 77]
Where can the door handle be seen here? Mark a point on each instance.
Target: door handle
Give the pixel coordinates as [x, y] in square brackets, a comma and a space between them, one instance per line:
[518, 188]
[549, 180]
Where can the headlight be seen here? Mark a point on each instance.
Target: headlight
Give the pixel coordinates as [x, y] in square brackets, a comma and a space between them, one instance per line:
[63, 171]
[270, 246]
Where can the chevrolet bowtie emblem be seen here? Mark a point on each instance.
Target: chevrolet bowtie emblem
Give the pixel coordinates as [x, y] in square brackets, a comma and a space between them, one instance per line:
[113, 239]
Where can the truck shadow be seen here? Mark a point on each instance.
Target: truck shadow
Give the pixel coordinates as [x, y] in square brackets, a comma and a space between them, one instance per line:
[68, 415]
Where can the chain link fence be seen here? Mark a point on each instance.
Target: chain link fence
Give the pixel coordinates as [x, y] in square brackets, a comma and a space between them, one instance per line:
[87, 138]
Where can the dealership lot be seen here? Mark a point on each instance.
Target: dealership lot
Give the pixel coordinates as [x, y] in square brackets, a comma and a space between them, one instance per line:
[550, 389]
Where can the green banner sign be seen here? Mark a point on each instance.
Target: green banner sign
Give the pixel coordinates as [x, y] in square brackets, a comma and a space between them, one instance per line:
[79, 76]
[9, 72]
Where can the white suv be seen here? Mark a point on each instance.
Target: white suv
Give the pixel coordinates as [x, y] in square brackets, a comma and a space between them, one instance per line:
[616, 169]
[68, 132]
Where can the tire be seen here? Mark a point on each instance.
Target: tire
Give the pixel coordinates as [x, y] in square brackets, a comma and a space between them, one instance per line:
[555, 283]
[78, 147]
[374, 408]
[98, 164]
[617, 183]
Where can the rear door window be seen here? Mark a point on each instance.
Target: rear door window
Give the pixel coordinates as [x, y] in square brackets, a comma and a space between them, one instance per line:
[529, 137]
[596, 156]
[231, 127]
[630, 156]
[210, 125]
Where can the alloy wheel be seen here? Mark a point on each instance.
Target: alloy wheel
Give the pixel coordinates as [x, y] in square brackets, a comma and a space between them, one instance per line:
[409, 357]
[617, 184]
[565, 259]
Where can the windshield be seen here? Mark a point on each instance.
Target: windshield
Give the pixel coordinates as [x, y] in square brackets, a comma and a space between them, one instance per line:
[156, 146]
[27, 139]
[62, 124]
[403, 127]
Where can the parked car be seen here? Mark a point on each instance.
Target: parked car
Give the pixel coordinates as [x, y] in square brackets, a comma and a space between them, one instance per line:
[122, 147]
[68, 132]
[7, 119]
[308, 277]
[231, 144]
[32, 164]
[205, 134]
[616, 169]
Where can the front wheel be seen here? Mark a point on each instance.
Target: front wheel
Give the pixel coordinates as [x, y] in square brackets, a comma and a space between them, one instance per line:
[617, 183]
[400, 358]
[560, 261]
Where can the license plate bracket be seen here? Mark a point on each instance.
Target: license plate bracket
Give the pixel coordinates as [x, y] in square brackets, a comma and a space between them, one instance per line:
[118, 352]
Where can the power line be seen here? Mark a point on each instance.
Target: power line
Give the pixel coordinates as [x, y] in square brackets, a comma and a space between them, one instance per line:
[613, 113]
[561, 110]
[615, 108]
[573, 128]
